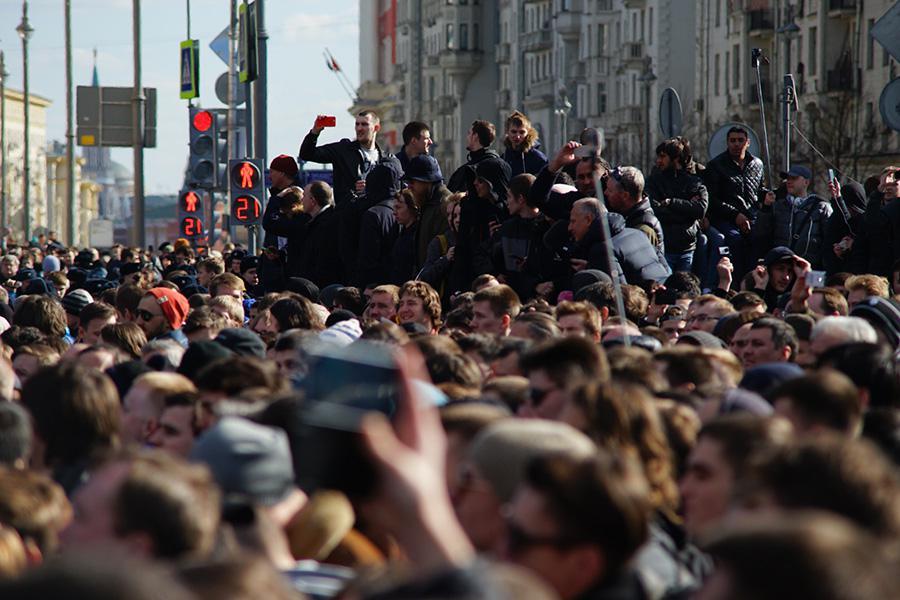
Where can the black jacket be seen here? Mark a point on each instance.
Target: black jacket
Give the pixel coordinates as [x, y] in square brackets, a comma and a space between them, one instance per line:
[277, 224]
[477, 217]
[679, 201]
[733, 189]
[345, 156]
[856, 260]
[320, 261]
[403, 255]
[437, 265]
[515, 241]
[525, 162]
[432, 221]
[463, 178]
[878, 231]
[640, 217]
[554, 205]
[378, 231]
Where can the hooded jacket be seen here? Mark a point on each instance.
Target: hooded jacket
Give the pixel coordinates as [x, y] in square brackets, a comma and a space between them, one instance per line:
[641, 217]
[798, 224]
[529, 160]
[837, 227]
[432, 221]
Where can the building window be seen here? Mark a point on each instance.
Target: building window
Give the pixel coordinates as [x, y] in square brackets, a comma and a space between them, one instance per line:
[451, 42]
[463, 36]
[601, 98]
[717, 75]
[718, 12]
[601, 39]
[727, 71]
[650, 26]
[870, 46]
[736, 75]
[813, 59]
[476, 37]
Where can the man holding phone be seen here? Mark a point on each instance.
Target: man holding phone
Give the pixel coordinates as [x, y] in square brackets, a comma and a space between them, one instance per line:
[884, 225]
[352, 159]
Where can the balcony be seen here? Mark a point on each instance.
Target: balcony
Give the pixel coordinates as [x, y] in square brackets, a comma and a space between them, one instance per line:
[504, 99]
[600, 65]
[501, 53]
[639, 4]
[605, 6]
[629, 115]
[539, 94]
[536, 40]
[460, 61]
[760, 22]
[842, 8]
[445, 104]
[632, 54]
[840, 79]
[568, 23]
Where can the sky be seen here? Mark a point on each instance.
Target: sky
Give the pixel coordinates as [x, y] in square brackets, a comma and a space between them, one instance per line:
[300, 86]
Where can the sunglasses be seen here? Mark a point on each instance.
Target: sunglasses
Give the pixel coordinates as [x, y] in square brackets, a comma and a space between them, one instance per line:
[145, 315]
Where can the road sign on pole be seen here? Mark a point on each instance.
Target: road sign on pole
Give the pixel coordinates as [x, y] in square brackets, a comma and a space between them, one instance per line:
[190, 69]
[247, 55]
[671, 119]
[104, 116]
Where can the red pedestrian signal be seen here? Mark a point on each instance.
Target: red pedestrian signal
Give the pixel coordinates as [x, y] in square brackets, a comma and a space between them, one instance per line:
[245, 209]
[202, 120]
[245, 175]
[247, 190]
[191, 227]
[190, 202]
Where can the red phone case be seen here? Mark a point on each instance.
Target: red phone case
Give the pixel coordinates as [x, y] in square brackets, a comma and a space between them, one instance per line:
[326, 122]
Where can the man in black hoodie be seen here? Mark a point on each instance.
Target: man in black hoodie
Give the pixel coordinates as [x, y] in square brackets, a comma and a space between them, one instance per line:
[378, 228]
[481, 136]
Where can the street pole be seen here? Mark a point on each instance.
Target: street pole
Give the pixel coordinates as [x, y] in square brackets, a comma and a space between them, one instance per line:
[3, 76]
[231, 120]
[260, 94]
[137, 134]
[25, 30]
[70, 135]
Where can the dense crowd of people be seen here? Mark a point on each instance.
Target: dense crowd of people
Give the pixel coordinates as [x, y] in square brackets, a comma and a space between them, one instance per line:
[546, 378]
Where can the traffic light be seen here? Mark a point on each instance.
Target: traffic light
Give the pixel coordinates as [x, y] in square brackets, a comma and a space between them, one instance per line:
[190, 214]
[208, 154]
[246, 189]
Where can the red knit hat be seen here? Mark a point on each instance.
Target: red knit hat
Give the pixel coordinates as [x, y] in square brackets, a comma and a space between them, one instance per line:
[173, 304]
[286, 164]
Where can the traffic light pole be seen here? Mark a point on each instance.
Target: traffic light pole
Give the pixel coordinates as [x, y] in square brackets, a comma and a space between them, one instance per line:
[260, 112]
[137, 139]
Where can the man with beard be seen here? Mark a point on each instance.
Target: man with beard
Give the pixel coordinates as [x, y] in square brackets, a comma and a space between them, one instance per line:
[522, 145]
[161, 315]
[679, 201]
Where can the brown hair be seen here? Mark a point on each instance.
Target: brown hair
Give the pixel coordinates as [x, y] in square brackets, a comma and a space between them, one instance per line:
[228, 279]
[588, 313]
[485, 131]
[874, 285]
[519, 119]
[431, 302]
[35, 506]
[502, 299]
[127, 337]
[42, 312]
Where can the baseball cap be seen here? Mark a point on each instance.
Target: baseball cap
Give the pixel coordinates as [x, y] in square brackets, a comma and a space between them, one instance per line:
[173, 304]
[798, 171]
[424, 168]
[250, 462]
[778, 254]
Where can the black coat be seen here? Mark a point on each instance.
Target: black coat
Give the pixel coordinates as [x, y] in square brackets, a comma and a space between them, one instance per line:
[403, 255]
[378, 230]
[525, 162]
[320, 261]
[463, 178]
[554, 205]
[277, 224]
[641, 216]
[733, 189]
[477, 217]
[679, 201]
[634, 257]
[856, 260]
[345, 157]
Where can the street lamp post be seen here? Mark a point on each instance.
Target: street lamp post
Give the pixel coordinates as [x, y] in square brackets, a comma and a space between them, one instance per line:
[25, 30]
[789, 31]
[647, 78]
[565, 107]
[3, 76]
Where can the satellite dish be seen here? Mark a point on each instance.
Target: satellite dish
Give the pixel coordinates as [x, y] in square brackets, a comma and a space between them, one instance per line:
[671, 117]
[718, 143]
[889, 104]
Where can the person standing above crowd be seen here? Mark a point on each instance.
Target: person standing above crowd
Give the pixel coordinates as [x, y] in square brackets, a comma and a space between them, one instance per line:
[679, 200]
[734, 179]
[426, 182]
[319, 257]
[797, 220]
[416, 142]
[625, 195]
[522, 146]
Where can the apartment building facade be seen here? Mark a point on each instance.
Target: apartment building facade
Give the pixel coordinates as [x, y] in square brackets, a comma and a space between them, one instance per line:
[571, 64]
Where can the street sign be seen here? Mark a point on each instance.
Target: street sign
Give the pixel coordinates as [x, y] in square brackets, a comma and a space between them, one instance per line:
[219, 46]
[240, 95]
[671, 117]
[889, 104]
[885, 31]
[718, 143]
[100, 233]
[248, 66]
[103, 116]
[190, 69]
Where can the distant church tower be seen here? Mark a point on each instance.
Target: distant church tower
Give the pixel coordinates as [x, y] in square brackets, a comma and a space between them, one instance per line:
[97, 157]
